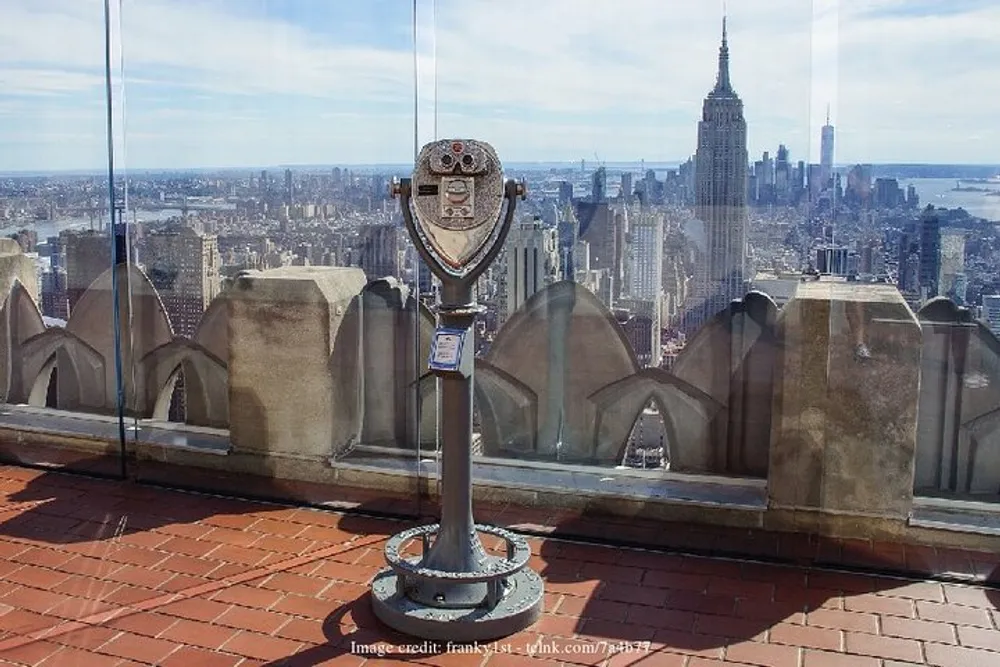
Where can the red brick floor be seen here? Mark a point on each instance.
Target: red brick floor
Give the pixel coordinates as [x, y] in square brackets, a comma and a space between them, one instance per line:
[105, 573]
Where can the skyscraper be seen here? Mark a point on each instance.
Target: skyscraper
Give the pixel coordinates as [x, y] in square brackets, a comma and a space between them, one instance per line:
[720, 197]
[532, 262]
[646, 256]
[88, 255]
[826, 150]
[380, 246]
[930, 252]
[991, 312]
[625, 192]
[952, 265]
[289, 188]
[183, 266]
[599, 187]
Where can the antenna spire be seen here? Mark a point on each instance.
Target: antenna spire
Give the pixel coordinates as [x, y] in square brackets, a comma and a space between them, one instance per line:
[827, 113]
[722, 84]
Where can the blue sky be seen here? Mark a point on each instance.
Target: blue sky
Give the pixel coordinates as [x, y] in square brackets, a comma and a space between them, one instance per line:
[234, 83]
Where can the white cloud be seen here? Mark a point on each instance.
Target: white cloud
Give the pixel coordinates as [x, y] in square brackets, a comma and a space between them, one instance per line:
[557, 79]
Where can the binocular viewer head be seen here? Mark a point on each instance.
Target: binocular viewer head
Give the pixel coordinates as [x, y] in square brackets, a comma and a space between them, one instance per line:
[458, 191]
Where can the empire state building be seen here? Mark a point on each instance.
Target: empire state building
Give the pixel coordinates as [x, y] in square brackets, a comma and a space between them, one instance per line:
[720, 198]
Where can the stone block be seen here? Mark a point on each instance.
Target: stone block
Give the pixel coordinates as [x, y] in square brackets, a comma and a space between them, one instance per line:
[283, 325]
[391, 364]
[958, 446]
[845, 423]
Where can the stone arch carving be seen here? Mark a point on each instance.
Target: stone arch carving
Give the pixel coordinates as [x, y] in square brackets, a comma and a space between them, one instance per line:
[687, 413]
[20, 319]
[959, 396]
[508, 411]
[374, 372]
[81, 381]
[607, 424]
[212, 333]
[38, 394]
[206, 382]
[979, 454]
[563, 345]
[92, 322]
[733, 358]
[651, 402]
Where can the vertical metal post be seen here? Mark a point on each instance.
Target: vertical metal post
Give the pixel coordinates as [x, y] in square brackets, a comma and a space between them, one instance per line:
[457, 547]
[119, 250]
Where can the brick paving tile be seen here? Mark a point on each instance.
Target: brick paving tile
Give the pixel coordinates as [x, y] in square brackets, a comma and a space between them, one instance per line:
[559, 626]
[827, 659]
[739, 588]
[642, 658]
[196, 633]
[139, 648]
[248, 596]
[979, 638]
[615, 631]
[766, 655]
[843, 620]
[590, 608]
[31, 654]
[299, 605]
[968, 595]
[878, 604]
[677, 580]
[728, 627]
[883, 647]
[949, 613]
[945, 655]
[139, 576]
[674, 641]
[663, 619]
[837, 581]
[78, 658]
[187, 656]
[181, 582]
[909, 628]
[303, 630]
[611, 573]
[772, 612]
[722, 605]
[639, 595]
[149, 625]
[921, 590]
[90, 638]
[808, 598]
[295, 583]
[256, 620]
[196, 609]
[263, 647]
[33, 599]
[807, 636]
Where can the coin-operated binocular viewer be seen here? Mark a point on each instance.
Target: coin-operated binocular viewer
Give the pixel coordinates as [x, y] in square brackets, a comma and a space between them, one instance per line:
[455, 590]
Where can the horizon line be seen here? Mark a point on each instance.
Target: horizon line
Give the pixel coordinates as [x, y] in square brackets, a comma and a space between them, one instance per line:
[97, 171]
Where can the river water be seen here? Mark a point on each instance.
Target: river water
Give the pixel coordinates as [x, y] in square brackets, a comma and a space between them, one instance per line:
[47, 228]
[938, 191]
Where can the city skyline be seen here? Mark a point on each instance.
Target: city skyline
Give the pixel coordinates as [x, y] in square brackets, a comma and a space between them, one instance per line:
[222, 85]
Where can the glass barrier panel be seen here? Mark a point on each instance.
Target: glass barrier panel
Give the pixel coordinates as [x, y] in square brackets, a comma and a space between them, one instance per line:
[274, 299]
[60, 399]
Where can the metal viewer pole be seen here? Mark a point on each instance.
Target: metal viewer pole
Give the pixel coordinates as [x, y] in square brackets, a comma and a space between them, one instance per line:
[455, 590]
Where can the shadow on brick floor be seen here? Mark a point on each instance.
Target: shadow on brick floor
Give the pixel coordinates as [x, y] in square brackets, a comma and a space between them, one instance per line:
[351, 629]
[61, 508]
